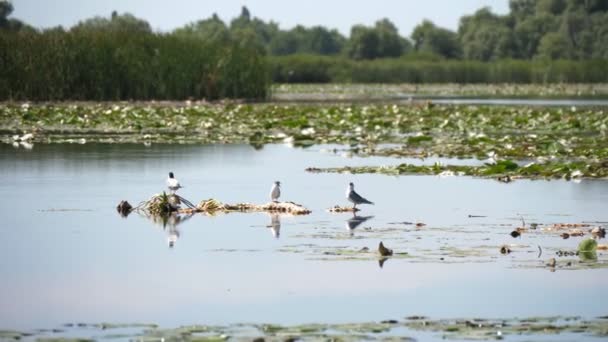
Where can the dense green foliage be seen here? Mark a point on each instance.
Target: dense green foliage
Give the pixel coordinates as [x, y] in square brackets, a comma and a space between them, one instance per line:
[319, 69]
[121, 58]
[534, 29]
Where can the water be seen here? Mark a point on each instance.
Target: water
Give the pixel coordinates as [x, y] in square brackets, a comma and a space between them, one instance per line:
[67, 255]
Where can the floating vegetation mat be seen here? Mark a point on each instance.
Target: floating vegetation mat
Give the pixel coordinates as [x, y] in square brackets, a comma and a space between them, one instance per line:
[388, 91]
[162, 204]
[402, 329]
[536, 245]
[502, 170]
[442, 130]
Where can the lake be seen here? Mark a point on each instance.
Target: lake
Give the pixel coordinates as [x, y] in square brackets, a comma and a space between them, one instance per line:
[68, 257]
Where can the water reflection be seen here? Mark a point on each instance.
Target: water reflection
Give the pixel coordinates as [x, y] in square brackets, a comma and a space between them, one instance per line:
[169, 224]
[355, 221]
[275, 224]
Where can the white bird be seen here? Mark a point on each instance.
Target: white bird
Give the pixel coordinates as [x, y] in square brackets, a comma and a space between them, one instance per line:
[172, 183]
[354, 197]
[275, 191]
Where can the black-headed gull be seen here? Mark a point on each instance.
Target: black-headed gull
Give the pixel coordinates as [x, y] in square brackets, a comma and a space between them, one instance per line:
[275, 191]
[354, 197]
[172, 183]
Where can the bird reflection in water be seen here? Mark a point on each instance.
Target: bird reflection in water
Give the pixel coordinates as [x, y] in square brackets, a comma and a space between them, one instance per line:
[275, 224]
[355, 222]
[169, 223]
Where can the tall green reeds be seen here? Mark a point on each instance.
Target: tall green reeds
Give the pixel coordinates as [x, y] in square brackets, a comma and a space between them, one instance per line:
[118, 65]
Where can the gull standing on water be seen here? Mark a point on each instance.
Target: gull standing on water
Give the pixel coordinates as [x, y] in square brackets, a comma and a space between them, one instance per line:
[172, 183]
[354, 197]
[275, 191]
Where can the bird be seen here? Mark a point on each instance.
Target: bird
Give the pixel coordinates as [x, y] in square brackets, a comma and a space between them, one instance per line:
[354, 197]
[275, 191]
[172, 183]
[383, 250]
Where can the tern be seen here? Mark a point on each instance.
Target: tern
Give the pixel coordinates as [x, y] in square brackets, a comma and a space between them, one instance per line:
[354, 197]
[275, 191]
[172, 183]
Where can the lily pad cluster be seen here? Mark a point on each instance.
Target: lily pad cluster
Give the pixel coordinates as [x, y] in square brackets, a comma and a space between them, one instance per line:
[387, 91]
[402, 329]
[504, 170]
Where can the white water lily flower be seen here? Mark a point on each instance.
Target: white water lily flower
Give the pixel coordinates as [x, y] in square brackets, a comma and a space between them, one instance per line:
[446, 173]
[308, 131]
[509, 146]
[576, 173]
[27, 137]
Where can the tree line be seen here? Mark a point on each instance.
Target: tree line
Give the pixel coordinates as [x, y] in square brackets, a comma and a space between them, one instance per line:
[120, 57]
[533, 29]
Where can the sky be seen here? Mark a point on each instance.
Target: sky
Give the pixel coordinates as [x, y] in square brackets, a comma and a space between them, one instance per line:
[338, 14]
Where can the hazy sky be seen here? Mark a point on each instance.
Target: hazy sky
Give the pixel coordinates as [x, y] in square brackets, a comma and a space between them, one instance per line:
[341, 14]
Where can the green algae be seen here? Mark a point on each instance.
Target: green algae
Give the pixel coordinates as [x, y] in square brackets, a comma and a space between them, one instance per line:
[393, 329]
[505, 170]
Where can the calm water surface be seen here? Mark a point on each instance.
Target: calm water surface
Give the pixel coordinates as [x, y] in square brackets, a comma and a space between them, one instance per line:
[67, 256]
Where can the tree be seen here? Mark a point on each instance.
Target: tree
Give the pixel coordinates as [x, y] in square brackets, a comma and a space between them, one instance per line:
[264, 32]
[6, 8]
[212, 29]
[117, 22]
[555, 7]
[390, 44]
[521, 9]
[486, 36]
[429, 38]
[363, 43]
[380, 41]
[530, 31]
[554, 46]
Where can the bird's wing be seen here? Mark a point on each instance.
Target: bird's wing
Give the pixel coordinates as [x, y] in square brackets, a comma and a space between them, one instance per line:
[357, 198]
